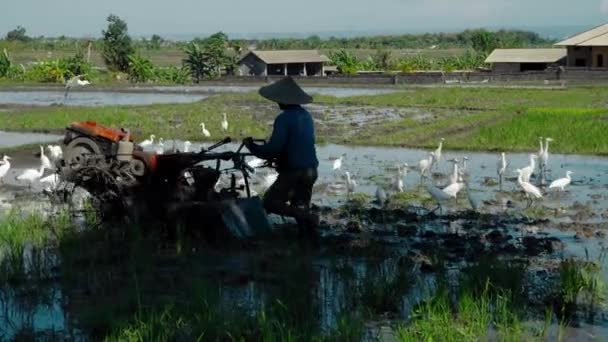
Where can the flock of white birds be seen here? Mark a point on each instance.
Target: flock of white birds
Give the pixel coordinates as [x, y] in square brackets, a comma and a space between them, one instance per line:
[30, 176]
[458, 179]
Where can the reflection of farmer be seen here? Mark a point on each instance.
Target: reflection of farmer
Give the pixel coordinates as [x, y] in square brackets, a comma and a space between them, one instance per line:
[292, 146]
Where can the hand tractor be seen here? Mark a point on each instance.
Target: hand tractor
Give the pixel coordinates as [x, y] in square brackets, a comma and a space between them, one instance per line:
[174, 188]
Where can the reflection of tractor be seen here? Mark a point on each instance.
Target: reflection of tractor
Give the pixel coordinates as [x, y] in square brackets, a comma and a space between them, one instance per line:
[126, 181]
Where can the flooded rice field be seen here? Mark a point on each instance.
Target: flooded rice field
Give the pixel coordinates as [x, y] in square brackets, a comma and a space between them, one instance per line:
[151, 95]
[13, 139]
[390, 257]
[329, 91]
[92, 98]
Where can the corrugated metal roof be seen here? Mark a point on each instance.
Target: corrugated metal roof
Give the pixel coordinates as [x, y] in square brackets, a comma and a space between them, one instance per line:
[526, 55]
[584, 38]
[290, 56]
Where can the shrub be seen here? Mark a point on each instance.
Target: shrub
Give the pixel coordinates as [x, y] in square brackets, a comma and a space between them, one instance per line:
[140, 69]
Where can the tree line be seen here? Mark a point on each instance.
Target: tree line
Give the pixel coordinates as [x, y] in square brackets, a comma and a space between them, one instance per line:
[217, 54]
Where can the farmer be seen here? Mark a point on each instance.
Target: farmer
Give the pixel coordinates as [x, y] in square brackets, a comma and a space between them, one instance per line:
[292, 147]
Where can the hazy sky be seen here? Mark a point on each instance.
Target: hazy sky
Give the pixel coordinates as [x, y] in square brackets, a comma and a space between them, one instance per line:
[171, 17]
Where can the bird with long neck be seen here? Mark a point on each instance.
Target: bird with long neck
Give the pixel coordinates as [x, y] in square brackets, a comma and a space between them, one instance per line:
[455, 174]
[529, 170]
[544, 158]
[438, 153]
[531, 191]
[4, 167]
[224, 123]
[31, 175]
[425, 164]
[562, 182]
[501, 168]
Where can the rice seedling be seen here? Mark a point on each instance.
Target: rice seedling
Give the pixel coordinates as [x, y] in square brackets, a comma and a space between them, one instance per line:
[581, 285]
[584, 134]
[475, 317]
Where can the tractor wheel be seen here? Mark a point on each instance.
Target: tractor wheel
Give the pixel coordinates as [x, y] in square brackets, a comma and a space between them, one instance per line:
[79, 151]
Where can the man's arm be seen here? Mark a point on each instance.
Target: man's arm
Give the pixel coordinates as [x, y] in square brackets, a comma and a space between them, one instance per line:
[276, 143]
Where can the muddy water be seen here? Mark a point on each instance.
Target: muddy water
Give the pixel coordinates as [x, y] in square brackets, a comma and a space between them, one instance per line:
[333, 276]
[97, 98]
[329, 91]
[153, 95]
[12, 139]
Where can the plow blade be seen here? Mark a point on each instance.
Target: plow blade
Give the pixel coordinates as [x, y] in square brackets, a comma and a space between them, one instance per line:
[244, 217]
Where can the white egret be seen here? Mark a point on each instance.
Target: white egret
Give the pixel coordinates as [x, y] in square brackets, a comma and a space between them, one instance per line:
[204, 130]
[160, 147]
[462, 171]
[501, 168]
[455, 174]
[4, 167]
[398, 182]
[425, 164]
[338, 162]
[50, 181]
[187, 145]
[31, 175]
[440, 195]
[225, 123]
[381, 197]
[541, 149]
[562, 182]
[148, 142]
[544, 157]
[453, 189]
[45, 162]
[74, 82]
[351, 184]
[438, 153]
[532, 192]
[527, 171]
[55, 152]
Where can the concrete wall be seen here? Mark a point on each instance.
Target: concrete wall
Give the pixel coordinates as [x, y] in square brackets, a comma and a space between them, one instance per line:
[421, 78]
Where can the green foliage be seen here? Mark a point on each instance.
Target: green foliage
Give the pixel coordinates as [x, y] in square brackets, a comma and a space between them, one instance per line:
[476, 318]
[17, 34]
[5, 63]
[171, 74]
[77, 65]
[155, 42]
[51, 71]
[484, 41]
[346, 62]
[464, 39]
[140, 69]
[585, 133]
[383, 59]
[117, 45]
[197, 63]
[582, 283]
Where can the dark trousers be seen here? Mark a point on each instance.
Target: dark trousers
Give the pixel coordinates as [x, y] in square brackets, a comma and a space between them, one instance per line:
[294, 187]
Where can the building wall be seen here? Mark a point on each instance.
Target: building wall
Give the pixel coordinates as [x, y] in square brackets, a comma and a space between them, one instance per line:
[600, 52]
[582, 54]
[252, 66]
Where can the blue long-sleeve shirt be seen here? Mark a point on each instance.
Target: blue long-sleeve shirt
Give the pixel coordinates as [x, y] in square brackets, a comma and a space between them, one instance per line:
[292, 142]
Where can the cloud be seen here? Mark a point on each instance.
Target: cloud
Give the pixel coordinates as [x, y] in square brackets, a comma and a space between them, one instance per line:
[604, 6]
